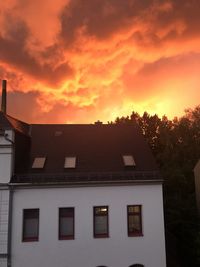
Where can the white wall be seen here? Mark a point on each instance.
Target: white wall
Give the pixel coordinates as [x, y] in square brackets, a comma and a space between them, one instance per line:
[3, 262]
[6, 155]
[4, 212]
[118, 250]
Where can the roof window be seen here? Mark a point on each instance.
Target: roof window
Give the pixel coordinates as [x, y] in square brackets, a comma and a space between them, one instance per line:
[58, 133]
[70, 162]
[38, 163]
[129, 160]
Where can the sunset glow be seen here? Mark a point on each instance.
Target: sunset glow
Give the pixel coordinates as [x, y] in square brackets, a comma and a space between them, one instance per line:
[79, 61]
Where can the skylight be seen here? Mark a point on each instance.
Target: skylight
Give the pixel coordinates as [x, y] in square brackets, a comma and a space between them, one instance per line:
[129, 160]
[38, 163]
[58, 133]
[70, 162]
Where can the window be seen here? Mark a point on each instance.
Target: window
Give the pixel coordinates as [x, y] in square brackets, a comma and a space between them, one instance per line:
[66, 223]
[136, 265]
[30, 225]
[101, 221]
[128, 160]
[134, 220]
[38, 163]
[70, 162]
[58, 133]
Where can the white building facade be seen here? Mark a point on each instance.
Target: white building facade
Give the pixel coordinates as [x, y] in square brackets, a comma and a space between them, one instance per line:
[116, 250]
[90, 199]
[6, 171]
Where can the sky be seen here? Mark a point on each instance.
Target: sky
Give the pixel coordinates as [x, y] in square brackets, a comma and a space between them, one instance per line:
[79, 61]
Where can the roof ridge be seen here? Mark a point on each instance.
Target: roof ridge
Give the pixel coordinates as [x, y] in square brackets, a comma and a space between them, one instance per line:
[16, 119]
[9, 122]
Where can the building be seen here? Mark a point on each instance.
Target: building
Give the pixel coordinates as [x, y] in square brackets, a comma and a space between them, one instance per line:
[78, 195]
[197, 184]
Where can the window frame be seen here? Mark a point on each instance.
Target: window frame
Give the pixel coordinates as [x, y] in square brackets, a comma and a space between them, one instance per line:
[105, 235]
[136, 233]
[35, 238]
[66, 237]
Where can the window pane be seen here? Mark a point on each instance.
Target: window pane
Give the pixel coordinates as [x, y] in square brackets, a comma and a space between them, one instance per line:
[38, 163]
[101, 221]
[135, 208]
[66, 212]
[134, 220]
[31, 228]
[134, 223]
[30, 224]
[66, 226]
[129, 160]
[101, 225]
[70, 162]
[66, 223]
[101, 210]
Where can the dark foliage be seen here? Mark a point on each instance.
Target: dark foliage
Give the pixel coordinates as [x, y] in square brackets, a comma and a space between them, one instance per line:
[176, 146]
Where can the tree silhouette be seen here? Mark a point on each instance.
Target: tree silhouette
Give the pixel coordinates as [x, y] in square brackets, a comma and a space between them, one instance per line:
[176, 147]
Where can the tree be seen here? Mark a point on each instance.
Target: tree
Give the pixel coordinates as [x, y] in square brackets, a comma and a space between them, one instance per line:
[176, 147]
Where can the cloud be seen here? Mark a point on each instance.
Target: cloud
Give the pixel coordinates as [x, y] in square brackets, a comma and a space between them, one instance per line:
[15, 52]
[162, 20]
[153, 77]
[97, 59]
[99, 18]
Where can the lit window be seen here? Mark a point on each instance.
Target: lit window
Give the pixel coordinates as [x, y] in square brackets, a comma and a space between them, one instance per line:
[66, 223]
[30, 225]
[70, 162]
[129, 160]
[38, 163]
[134, 213]
[101, 221]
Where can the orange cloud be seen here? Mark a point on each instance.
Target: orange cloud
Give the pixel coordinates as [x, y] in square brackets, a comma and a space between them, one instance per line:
[80, 61]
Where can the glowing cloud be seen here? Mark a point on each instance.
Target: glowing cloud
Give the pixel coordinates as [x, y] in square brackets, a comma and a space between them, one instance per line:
[80, 61]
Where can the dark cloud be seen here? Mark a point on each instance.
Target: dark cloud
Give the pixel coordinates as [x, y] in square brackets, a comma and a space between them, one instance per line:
[182, 18]
[99, 18]
[14, 51]
[103, 18]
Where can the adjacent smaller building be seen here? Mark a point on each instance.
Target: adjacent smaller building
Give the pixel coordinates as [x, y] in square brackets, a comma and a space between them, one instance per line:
[197, 184]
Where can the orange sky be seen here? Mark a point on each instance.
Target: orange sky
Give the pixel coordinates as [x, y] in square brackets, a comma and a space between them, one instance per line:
[78, 61]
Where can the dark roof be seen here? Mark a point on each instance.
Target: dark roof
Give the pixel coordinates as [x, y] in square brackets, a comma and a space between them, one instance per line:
[7, 122]
[98, 150]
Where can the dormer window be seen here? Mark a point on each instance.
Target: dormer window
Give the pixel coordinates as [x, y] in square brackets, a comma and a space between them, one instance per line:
[129, 160]
[38, 163]
[70, 162]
